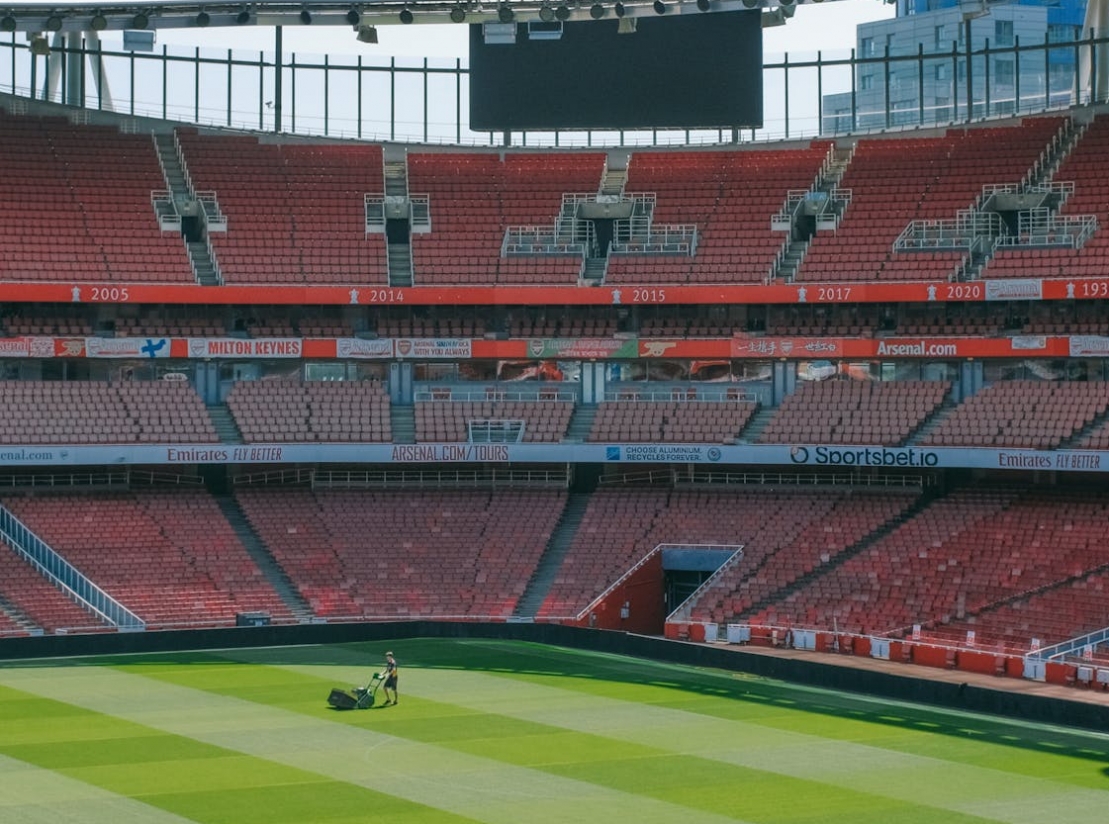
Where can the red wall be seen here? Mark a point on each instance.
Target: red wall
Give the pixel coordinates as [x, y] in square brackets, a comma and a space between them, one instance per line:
[643, 592]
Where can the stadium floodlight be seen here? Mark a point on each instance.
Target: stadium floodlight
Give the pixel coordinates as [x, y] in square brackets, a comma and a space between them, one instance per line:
[140, 21]
[458, 14]
[306, 17]
[562, 12]
[618, 9]
[703, 5]
[243, 17]
[7, 23]
[54, 22]
[546, 14]
[98, 22]
[406, 16]
[353, 17]
[751, 4]
[203, 19]
[505, 14]
[597, 11]
[659, 7]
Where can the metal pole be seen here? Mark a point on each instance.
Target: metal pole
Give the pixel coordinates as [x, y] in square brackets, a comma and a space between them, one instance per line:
[278, 79]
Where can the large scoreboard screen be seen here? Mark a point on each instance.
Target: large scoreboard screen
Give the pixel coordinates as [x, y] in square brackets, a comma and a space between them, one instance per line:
[687, 71]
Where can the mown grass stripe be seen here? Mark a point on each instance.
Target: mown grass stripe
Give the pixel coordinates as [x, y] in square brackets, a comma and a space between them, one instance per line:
[481, 788]
[989, 792]
[143, 775]
[31, 795]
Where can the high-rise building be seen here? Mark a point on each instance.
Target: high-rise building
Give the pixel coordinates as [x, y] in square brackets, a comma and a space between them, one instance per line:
[922, 66]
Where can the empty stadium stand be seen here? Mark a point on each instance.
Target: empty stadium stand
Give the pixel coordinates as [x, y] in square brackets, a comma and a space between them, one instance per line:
[279, 411]
[730, 197]
[531, 421]
[1022, 413]
[855, 412]
[398, 555]
[91, 412]
[294, 213]
[76, 205]
[681, 421]
[147, 551]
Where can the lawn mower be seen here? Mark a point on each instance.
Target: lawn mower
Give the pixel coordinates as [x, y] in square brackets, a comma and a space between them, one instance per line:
[356, 698]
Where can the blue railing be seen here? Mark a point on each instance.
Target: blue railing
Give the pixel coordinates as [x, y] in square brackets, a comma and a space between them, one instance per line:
[65, 575]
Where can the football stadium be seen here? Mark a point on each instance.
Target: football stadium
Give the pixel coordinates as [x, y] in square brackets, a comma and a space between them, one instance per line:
[713, 438]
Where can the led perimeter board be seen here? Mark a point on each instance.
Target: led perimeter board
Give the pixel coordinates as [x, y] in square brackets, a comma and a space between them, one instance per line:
[683, 72]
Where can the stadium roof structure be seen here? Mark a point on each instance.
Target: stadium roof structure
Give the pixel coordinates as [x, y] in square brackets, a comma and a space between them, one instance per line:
[118, 16]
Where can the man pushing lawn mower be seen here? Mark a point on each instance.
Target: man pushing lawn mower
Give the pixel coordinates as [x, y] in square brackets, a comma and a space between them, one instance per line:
[362, 698]
[389, 676]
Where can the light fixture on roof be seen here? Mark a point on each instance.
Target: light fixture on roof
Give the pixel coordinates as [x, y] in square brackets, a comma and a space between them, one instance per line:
[751, 4]
[703, 5]
[618, 9]
[203, 19]
[562, 12]
[458, 14]
[597, 11]
[505, 14]
[353, 17]
[7, 23]
[659, 7]
[546, 14]
[98, 22]
[54, 22]
[140, 21]
[367, 34]
[243, 17]
[306, 17]
[406, 16]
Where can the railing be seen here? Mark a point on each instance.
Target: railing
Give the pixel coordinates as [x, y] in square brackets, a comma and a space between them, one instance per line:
[959, 234]
[64, 574]
[542, 240]
[121, 480]
[169, 219]
[482, 478]
[1065, 648]
[662, 394]
[694, 476]
[682, 612]
[214, 218]
[659, 239]
[496, 430]
[493, 395]
[284, 477]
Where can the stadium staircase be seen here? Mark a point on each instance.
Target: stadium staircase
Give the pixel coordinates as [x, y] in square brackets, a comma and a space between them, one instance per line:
[223, 422]
[918, 506]
[398, 254]
[261, 556]
[204, 266]
[786, 267]
[1080, 435]
[581, 424]
[750, 433]
[933, 423]
[402, 420]
[1016, 598]
[15, 616]
[551, 562]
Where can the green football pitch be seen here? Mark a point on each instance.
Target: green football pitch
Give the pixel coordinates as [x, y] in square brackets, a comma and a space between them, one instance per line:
[508, 733]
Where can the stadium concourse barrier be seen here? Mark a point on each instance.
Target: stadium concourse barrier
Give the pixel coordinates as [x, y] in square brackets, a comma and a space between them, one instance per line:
[984, 660]
[907, 686]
